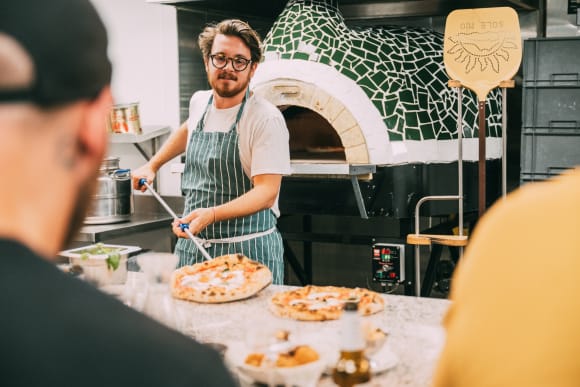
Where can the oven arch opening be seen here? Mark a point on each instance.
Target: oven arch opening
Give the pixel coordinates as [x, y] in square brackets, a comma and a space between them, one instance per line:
[303, 103]
[312, 137]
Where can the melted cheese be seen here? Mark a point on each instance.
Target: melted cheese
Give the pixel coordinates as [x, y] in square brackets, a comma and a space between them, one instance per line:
[315, 301]
[228, 280]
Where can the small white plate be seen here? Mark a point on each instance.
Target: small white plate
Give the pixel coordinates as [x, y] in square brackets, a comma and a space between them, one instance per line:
[305, 375]
[383, 360]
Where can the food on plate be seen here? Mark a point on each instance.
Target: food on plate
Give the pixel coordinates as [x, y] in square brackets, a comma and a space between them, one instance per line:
[319, 303]
[296, 356]
[223, 279]
[282, 335]
[300, 355]
[113, 254]
[373, 334]
[255, 359]
[374, 337]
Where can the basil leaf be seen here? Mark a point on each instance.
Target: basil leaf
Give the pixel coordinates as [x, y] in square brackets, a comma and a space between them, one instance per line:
[113, 261]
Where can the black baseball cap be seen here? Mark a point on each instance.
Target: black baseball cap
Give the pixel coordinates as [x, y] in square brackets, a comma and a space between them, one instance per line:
[66, 42]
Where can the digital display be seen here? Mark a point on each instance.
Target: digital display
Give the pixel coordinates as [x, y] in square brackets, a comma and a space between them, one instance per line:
[387, 263]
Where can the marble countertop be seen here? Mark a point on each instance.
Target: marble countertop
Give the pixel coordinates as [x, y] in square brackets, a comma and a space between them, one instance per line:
[413, 324]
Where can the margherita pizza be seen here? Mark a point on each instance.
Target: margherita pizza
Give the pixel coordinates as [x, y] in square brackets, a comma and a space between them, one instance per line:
[227, 278]
[319, 303]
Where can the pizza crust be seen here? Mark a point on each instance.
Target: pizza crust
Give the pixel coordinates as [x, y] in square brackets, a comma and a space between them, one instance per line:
[227, 278]
[320, 303]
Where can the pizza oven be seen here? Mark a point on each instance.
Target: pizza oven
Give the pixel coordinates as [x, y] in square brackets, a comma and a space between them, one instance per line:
[372, 121]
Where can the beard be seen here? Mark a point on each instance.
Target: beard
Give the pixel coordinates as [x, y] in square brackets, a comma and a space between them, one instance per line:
[230, 89]
[83, 202]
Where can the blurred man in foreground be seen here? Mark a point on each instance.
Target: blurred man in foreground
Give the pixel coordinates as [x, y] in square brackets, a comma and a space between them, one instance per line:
[515, 316]
[56, 330]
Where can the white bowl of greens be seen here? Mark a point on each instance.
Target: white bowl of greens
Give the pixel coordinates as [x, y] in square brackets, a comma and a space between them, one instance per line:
[103, 264]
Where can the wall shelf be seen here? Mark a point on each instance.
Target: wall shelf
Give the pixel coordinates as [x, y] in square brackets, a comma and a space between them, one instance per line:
[150, 133]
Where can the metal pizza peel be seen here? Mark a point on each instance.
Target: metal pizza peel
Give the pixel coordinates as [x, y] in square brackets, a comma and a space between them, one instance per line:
[184, 227]
[482, 49]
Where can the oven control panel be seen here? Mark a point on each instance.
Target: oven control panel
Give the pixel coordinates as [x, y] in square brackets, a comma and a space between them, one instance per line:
[388, 262]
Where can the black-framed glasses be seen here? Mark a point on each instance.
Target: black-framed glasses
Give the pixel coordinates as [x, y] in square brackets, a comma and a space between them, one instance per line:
[220, 61]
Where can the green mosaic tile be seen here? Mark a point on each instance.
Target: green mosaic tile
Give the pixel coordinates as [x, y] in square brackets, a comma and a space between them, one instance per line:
[370, 46]
[367, 89]
[444, 136]
[409, 58]
[358, 52]
[338, 56]
[428, 132]
[389, 107]
[394, 87]
[400, 122]
[352, 75]
[392, 122]
[378, 78]
[412, 134]
[423, 116]
[372, 58]
[411, 120]
[351, 59]
[322, 47]
[411, 107]
[328, 30]
[406, 96]
[378, 98]
[324, 59]
[395, 136]
[423, 104]
[300, 55]
[362, 70]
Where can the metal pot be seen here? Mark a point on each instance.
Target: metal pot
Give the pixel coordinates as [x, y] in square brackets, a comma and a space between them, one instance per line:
[113, 201]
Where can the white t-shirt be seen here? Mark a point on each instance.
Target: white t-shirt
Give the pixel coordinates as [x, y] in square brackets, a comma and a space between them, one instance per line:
[263, 135]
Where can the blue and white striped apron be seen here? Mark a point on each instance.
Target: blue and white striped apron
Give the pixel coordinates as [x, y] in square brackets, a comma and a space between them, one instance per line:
[213, 175]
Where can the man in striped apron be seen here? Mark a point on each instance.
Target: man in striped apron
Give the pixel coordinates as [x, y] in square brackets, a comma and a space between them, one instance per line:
[236, 152]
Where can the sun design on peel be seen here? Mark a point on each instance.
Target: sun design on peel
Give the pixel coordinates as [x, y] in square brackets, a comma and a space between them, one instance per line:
[485, 49]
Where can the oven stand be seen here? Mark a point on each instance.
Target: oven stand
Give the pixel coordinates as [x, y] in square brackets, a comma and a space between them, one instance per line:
[304, 272]
[360, 204]
[340, 170]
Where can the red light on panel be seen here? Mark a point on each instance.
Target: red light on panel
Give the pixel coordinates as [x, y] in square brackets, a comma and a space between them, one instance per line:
[392, 274]
[376, 253]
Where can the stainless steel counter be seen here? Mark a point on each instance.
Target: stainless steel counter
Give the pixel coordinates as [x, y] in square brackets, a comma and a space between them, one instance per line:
[138, 223]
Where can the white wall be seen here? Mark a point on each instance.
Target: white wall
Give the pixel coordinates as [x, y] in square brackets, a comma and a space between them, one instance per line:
[143, 48]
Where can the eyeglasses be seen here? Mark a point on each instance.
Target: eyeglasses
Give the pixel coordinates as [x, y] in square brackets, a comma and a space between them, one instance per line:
[220, 61]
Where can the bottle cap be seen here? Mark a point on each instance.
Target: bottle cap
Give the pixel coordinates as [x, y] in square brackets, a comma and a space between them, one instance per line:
[351, 305]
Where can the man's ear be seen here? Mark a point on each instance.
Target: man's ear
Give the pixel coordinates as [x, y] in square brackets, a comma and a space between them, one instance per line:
[206, 65]
[93, 137]
[253, 67]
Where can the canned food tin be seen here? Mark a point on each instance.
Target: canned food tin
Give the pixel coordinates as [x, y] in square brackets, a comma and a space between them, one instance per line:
[125, 119]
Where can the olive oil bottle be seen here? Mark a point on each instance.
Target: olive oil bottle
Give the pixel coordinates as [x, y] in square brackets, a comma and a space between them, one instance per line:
[352, 367]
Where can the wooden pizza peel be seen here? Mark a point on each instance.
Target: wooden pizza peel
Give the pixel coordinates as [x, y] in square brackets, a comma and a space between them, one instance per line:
[482, 50]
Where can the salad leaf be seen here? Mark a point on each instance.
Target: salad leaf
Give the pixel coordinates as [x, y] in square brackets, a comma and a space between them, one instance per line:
[113, 261]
